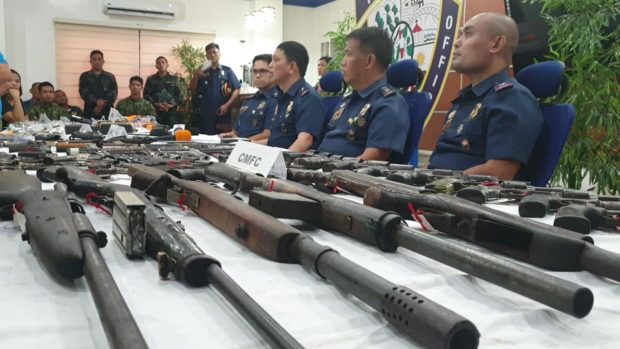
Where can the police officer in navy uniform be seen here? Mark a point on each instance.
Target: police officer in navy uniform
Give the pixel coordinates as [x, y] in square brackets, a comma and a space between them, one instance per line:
[373, 121]
[218, 88]
[494, 123]
[257, 110]
[297, 123]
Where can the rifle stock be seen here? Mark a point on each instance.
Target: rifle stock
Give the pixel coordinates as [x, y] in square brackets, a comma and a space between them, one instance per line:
[424, 320]
[179, 254]
[385, 230]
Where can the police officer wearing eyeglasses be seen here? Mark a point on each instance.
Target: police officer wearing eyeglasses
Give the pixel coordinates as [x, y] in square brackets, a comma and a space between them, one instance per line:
[257, 109]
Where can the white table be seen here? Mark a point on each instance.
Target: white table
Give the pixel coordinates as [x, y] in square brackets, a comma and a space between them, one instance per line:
[39, 312]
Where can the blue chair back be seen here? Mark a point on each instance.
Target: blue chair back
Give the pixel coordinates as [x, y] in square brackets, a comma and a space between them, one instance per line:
[332, 82]
[402, 75]
[545, 80]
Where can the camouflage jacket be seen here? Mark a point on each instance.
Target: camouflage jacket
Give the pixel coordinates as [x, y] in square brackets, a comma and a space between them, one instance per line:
[53, 111]
[166, 89]
[97, 86]
[140, 106]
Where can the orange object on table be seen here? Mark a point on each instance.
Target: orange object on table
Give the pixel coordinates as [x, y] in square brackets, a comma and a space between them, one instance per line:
[183, 136]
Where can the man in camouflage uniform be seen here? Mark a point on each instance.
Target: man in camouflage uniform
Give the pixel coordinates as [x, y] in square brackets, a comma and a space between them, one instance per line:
[135, 104]
[46, 106]
[98, 88]
[164, 91]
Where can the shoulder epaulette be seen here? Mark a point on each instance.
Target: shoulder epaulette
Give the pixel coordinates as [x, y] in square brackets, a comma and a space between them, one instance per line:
[304, 91]
[503, 86]
[386, 91]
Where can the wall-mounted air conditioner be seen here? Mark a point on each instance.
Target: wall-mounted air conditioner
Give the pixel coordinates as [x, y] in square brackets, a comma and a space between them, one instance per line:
[145, 8]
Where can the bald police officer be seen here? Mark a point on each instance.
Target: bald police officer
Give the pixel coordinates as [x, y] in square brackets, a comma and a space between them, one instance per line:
[372, 122]
[297, 123]
[495, 122]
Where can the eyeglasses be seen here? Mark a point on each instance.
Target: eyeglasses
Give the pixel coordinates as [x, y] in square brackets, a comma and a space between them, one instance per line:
[260, 71]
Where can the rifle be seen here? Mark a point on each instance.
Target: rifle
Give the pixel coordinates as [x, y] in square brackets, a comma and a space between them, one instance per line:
[175, 251]
[387, 231]
[533, 242]
[427, 322]
[66, 243]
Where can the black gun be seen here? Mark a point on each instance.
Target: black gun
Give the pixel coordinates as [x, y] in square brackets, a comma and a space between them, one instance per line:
[425, 321]
[542, 245]
[386, 231]
[66, 243]
[176, 251]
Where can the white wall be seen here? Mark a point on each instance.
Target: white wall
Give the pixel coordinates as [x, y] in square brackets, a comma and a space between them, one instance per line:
[308, 26]
[2, 25]
[29, 29]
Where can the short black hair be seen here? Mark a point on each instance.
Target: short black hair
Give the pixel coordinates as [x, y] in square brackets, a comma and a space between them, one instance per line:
[136, 78]
[327, 59]
[212, 45]
[95, 52]
[295, 52]
[376, 41]
[266, 57]
[158, 58]
[45, 83]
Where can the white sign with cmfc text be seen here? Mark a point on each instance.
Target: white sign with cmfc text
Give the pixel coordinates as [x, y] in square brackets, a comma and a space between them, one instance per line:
[257, 158]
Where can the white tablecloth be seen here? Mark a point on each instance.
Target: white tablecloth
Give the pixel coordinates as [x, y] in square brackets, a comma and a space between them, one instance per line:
[38, 312]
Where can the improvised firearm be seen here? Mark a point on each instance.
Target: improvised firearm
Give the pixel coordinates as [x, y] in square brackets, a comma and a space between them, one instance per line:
[66, 243]
[387, 231]
[533, 242]
[330, 162]
[576, 210]
[176, 252]
[427, 322]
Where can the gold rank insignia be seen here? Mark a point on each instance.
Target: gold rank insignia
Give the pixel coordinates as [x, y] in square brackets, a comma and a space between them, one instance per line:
[244, 108]
[288, 109]
[474, 112]
[261, 105]
[351, 121]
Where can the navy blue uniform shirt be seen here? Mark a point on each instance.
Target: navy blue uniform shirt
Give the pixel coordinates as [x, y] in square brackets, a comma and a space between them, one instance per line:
[214, 89]
[298, 110]
[498, 119]
[255, 112]
[377, 117]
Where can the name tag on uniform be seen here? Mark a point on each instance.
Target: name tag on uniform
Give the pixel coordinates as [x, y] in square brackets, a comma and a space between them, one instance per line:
[257, 158]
